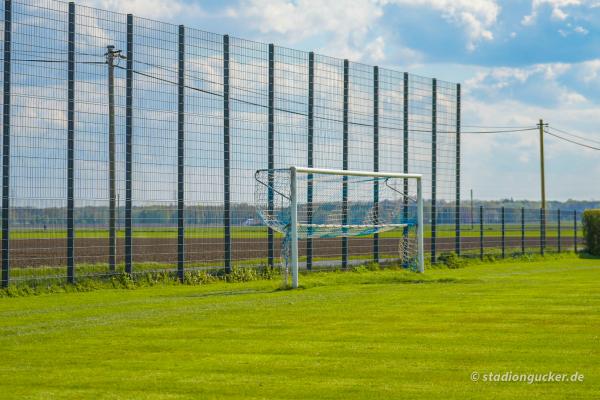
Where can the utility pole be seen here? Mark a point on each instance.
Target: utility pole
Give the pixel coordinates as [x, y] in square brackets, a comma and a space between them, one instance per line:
[543, 184]
[542, 171]
[111, 54]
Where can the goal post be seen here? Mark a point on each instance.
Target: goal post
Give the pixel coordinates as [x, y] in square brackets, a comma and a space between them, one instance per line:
[280, 200]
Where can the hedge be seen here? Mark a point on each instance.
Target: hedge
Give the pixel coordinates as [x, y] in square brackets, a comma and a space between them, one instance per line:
[591, 231]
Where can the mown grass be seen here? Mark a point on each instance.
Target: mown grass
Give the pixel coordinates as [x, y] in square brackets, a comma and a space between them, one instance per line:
[361, 335]
[258, 232]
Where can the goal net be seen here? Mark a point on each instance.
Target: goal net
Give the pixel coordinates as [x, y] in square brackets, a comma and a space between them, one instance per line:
[311, 203]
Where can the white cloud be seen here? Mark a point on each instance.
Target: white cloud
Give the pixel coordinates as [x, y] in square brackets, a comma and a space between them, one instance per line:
[476, 16]
[494, 97]
[507, 165]
[347, 21]
[590, 70]
[157, 9]
[581, 30]
[557, 7]
[559, 14]
[376, 49]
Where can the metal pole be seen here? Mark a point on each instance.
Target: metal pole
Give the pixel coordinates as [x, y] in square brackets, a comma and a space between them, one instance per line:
[542, 172]
[433, 170]
[271, 153]
[542, 230]
[294, 226]
[71, 148]
[472, 209]
[405, 156]
[345, 165]
[310, 161]
[129, 148]
[522, 230]
[558, 227]
[181, 155]
[503, 234]
[457, 201]
[376, 159]
[420, 230]
[481, 232]
[112, 234]
[226, 157]
[6, 145]
[543, 189]
[575, 230]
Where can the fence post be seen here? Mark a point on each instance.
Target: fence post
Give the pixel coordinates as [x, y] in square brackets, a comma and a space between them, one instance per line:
[457, 201]
[542, 230]
[503, 233]
[559, 235]
[345, 165]
[6, 145]
[271, 153]
[71, 147]
[481, 232]
[376, 159]
[575, 230]
[226, 158]
[310, 161]
[405, 155]
[523, 230]
[181, 155]
[433, 170]
[129, 148]
[112, 191]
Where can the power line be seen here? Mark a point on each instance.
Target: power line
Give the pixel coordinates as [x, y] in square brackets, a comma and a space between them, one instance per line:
[275, 108]
[572, 141]
[576, 136]
[502, 131]
[495, 127]
[59, 61]
[523, 129]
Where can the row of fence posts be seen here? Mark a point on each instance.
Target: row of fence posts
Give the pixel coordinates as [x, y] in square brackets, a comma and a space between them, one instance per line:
[227, 220]
[542, 232]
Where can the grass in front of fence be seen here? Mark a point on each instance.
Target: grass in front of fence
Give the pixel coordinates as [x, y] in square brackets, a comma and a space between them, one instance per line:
[260, 232]
[99, 270]
[362, 335]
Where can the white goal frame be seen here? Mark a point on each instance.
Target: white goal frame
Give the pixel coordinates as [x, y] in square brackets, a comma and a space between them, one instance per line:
[294, 209]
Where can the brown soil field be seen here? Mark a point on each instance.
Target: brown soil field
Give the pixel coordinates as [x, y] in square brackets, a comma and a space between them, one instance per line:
[52, 252]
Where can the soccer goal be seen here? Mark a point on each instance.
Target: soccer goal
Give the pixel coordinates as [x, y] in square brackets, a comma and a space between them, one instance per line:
[314, 203]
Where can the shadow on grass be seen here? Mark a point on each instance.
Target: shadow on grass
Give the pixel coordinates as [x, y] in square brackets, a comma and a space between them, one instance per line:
[588, 256]
[225, 293]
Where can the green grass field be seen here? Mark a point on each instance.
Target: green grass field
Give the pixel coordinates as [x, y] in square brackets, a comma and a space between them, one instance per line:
[258, 232]
[355, 335]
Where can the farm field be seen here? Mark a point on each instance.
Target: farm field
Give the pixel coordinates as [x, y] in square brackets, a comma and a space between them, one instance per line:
[254, 232]
[355, 335]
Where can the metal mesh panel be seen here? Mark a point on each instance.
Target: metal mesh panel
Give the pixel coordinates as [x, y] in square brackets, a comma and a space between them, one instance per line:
[38, 137]
[206, 110]
[203, 145]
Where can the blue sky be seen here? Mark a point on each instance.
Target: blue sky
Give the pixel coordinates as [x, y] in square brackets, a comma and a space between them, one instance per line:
[518, 61]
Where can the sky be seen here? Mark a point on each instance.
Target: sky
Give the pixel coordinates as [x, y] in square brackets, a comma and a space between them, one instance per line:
[518, 61]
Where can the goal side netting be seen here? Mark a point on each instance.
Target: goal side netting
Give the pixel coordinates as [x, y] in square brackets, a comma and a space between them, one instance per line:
[309, 203]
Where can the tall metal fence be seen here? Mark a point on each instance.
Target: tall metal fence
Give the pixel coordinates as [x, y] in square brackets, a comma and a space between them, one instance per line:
[131, 145]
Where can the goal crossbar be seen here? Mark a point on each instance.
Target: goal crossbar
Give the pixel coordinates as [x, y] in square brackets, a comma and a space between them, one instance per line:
[294, 210]
[352, 226]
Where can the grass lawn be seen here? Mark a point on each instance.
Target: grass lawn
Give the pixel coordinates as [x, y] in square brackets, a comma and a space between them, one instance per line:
[354, 335]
